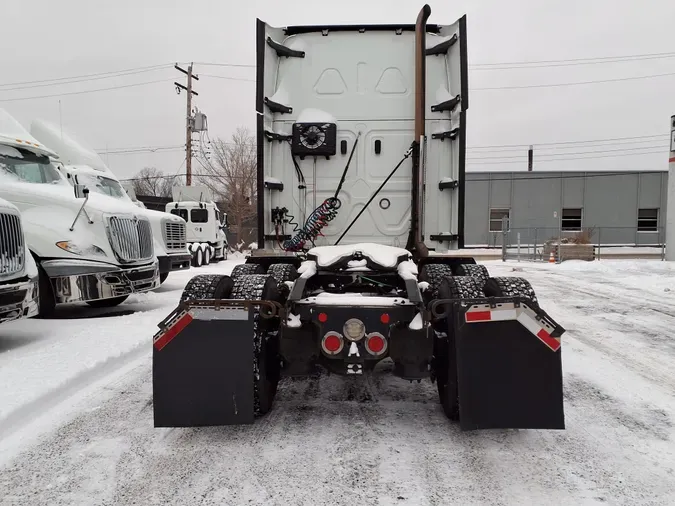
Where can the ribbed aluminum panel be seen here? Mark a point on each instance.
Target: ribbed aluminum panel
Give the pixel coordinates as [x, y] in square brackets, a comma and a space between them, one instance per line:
[12, 249]
[175, 236]
[131, 239]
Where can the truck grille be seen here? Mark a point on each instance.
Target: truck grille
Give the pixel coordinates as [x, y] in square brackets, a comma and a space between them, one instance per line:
[12, 249]
[131, 239]
[175, 236]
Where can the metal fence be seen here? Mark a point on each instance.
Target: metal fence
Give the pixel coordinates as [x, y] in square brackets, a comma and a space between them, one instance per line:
[539, 243]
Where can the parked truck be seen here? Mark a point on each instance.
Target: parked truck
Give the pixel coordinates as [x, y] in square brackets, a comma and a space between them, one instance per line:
[81, 165]
[206, 224]
[88, 247]
[18, 272]
[361, 184]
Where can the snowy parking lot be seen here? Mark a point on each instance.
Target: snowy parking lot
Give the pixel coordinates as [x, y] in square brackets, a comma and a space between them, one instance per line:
[76, 414]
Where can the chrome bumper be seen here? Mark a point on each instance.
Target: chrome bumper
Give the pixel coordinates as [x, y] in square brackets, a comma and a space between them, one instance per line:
[18, 300]
[84, 280]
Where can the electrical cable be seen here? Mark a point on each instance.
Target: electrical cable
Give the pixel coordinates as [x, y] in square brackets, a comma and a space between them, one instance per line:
[321, 216]
[405, 157]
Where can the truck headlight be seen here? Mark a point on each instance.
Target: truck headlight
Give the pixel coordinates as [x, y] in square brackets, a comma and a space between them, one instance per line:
[89, 250]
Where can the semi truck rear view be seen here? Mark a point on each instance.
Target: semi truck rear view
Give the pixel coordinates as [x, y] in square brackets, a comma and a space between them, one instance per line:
[361, 162]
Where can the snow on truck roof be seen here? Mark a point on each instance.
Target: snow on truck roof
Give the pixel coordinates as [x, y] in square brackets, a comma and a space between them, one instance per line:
[70, 151]
[15, 135]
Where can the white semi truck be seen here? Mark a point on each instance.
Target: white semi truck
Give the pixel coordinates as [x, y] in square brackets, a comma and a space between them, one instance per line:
[81, 165]
[206, 237]
[361, 179]
[88, 247]
[18, 272]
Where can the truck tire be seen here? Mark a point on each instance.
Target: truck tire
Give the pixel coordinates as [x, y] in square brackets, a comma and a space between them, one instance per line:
[242, 269]
[283, 273]
[207, 256]
[266, 363]
[434, 274]
[445, 357]
[112, 302]
[46, 300]
[207, 287]
[162, 277]
[474, 270]
[197, 257]
[511, 287]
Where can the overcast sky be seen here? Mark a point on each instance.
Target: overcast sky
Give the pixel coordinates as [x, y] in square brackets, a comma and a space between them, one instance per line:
[47, 39]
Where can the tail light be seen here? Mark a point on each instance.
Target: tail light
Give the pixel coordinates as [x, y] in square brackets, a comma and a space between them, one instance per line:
[332, 343]
[376, 344]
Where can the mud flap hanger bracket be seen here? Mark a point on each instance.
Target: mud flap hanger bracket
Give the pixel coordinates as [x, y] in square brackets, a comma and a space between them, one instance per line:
[272, 309]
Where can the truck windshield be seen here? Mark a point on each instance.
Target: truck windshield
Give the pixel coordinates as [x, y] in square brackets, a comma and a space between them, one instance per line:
[104, 185]
[28, 167]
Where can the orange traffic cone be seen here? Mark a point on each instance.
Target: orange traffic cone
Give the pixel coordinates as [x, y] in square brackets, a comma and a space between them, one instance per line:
[551, 259]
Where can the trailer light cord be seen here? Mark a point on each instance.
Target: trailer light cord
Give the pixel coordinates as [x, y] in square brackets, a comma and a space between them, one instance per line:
[372, 197]
[321, 216]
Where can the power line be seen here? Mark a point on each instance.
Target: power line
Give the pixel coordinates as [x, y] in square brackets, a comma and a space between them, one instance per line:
[109, 73]
[229, 78]
[225, 65]
[568, 142]
[598, 59]
[479, 162]
[555, 85]
[96, 78]
[85, 91]
[663, 148]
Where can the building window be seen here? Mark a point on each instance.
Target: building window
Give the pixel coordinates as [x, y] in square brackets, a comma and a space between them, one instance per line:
[496, 216]
[648, 220]
[571, 220]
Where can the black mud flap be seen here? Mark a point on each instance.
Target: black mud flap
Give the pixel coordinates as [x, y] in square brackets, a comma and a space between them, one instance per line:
[509, 366]
[202, 367]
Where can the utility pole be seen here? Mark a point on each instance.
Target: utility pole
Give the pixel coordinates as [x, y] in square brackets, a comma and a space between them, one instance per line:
[188, 119]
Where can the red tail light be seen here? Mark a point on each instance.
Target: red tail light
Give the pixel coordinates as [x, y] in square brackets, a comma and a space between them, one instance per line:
[332, 343]
[376, 344]
[323, 317]
[384, 318]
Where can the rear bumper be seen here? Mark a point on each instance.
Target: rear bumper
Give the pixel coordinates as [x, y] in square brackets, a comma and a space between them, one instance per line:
[18, 300]
[177, 262]
[84, 280]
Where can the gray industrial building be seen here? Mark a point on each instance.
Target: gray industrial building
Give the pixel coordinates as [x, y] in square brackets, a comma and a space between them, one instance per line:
[613, 208]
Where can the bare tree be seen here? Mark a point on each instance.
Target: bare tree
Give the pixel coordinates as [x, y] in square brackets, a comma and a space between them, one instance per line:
[231, 175]
[152, 182]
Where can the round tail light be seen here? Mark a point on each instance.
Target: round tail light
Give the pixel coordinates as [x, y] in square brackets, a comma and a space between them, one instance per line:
[376, 344]
[332, 343]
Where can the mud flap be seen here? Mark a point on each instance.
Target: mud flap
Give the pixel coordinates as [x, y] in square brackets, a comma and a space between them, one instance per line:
[509, 366]
[202, 368]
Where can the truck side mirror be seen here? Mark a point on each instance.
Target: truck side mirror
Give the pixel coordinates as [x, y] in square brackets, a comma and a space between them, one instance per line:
[81, 191]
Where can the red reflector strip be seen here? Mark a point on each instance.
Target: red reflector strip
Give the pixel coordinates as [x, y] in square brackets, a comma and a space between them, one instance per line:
[478, 316]
[551, 342]
[671, 160]
[164, 338]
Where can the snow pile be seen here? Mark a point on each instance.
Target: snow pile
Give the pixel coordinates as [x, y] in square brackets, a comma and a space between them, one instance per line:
[354, 299]
[293, 321]
[307, 269]
[386, 256]
[408, 270]
[417, 323]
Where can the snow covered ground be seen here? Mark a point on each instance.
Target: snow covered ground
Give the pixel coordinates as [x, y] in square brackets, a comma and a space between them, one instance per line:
[76, 414]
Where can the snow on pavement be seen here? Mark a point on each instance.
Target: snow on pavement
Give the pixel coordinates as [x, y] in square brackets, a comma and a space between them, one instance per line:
[334, 440]
[39, 357]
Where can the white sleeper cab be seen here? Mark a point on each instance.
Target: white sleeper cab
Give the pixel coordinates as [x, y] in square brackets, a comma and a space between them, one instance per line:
[83, 166]
[88, 247]
[18, 272]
